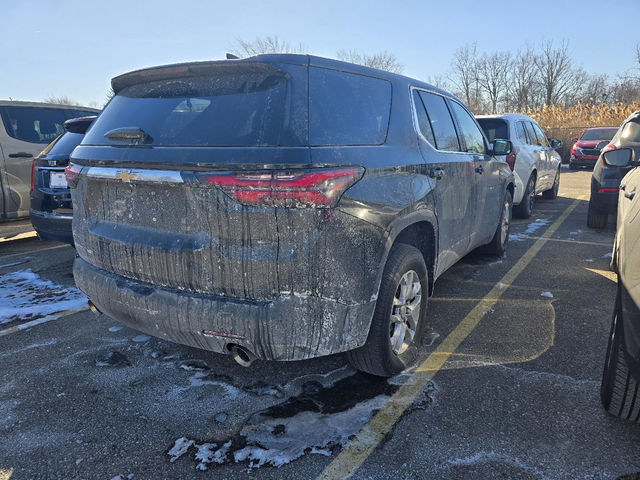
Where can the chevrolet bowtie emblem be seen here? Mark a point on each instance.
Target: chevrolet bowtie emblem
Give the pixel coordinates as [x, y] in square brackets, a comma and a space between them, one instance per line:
[126, 176]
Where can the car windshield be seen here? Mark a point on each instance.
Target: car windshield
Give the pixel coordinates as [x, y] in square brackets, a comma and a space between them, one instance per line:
[599, 134]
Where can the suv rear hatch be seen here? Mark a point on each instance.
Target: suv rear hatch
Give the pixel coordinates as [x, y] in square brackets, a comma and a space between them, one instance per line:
[182, 178]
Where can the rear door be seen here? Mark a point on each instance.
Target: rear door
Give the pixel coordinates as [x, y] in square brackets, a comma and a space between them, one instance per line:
[488, 182]
[549, 165]
[452, 172]
[27, 131]
[539, 154]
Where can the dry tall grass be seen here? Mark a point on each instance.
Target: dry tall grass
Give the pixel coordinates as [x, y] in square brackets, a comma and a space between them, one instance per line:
[552, 117]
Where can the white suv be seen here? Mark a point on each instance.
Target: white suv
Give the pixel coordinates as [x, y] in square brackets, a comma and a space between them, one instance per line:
[26, 128]
[537, 164]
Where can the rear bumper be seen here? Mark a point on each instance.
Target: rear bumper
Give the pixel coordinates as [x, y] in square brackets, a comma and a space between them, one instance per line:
[605, 202]
[583, 162]
[288, 328]
[51, 226]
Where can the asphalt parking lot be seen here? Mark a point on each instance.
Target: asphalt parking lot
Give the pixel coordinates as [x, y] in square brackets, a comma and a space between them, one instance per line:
[507, 385]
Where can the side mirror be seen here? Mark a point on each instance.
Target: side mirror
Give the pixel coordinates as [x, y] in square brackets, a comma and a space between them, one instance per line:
[502, 147]
[618, 158]
[602, 144]
[574, 139]
[556, 144]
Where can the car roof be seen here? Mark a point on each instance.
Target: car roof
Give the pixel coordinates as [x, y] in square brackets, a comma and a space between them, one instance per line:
[18, 103]
[138, 76]
[601, 128]
[507, 116]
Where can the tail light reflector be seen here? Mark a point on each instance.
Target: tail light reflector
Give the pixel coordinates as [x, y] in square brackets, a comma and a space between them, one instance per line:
[317, 188]
[511, 158]
[71, 174]
[609, 190]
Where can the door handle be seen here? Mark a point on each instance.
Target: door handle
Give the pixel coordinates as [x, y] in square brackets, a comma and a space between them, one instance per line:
[438, 173]
[20, 155]
[480, 170]
[630, 195]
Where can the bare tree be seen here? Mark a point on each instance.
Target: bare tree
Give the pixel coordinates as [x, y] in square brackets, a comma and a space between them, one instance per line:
[493, 70]
[597, 89]
[464, 76]
[380, 60]
[268, 44]
[521, 81]
[61, 100]
[439, 81]
[556, 73]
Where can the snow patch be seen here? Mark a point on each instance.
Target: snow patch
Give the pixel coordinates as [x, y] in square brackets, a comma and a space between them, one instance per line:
[179, 448]
[26, 296]
[535, 226]
[546, 294]
[607, 255]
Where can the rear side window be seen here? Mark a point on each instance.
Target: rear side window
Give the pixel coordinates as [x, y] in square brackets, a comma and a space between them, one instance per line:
[533, 140]
[33, 124]
[470, 131]
[494, 129]
[347, 109]
[237, 106]
[444, 130]
[542, 138]
[520, 132]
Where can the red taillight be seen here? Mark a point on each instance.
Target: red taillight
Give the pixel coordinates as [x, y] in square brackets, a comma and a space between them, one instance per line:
[71, 174]
[609, 190]
[319, 187]
[511, 158]
[33, 164]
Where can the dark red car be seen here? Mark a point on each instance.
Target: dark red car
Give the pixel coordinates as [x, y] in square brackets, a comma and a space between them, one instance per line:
[584, 152]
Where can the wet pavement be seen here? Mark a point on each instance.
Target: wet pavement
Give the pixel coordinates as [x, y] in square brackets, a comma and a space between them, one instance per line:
[82, 397]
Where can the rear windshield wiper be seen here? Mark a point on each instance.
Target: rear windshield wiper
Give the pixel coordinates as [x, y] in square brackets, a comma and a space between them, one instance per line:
[128, 134]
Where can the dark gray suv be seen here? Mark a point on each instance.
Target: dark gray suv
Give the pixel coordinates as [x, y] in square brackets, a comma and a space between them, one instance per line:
[282, 207]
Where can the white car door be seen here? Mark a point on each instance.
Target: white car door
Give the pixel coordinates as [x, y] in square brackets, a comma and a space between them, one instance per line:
[539, 153]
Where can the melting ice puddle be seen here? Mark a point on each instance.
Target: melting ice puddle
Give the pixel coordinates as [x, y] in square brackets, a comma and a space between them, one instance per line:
[317, 421]
[26, 296]
[535, 226]
[115, 329]
[607, 255]
[141, 338]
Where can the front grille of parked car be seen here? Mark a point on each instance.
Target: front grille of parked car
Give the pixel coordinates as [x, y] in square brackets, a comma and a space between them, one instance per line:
[592, 152]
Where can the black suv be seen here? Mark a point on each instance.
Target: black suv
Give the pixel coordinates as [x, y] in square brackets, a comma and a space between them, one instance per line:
[282, 207]
[50, 211]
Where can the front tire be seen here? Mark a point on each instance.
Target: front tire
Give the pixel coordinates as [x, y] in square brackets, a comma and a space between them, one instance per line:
[552, 193]
[399, 316]
[524, 209]
[498, 243]
[619, 390]
[596, 218]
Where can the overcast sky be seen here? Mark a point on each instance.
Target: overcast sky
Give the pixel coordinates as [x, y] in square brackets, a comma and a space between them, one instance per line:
[74, 47]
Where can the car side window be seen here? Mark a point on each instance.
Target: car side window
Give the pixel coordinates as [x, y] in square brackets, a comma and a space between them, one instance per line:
[542, 138]
[33, 124]
[423, 119]
[441, 122]
[473, 136]
[631, 132]
[520, 132]
[533, 140]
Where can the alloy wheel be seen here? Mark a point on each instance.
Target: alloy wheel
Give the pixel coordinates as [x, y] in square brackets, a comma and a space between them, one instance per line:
[405, 312]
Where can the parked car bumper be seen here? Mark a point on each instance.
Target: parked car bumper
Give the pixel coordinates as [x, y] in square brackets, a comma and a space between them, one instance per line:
[605, 202]
[291, 327]
[52, 226]
[583, 161]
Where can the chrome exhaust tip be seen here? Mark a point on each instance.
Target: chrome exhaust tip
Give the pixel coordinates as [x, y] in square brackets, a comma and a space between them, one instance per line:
[93, 308]
[241, 355]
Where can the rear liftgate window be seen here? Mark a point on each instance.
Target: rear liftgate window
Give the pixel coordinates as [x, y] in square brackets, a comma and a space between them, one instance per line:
[347, 109]
[238, 109]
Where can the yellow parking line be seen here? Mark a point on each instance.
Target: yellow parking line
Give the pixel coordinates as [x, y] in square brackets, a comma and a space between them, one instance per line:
[358, 450]
[33, 251]
[20, 236]
[33, 323]
[579, 242]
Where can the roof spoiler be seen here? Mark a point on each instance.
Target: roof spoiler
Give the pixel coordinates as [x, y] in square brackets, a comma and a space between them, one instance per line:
[78, 125]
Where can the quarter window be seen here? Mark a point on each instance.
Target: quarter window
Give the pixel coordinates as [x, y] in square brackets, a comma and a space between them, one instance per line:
[472, 134]
[423, 120]
[441, 122]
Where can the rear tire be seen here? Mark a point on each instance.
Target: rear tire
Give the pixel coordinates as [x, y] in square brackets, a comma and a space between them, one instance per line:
[595, 217]
[552, 193]
[498, 243]
[386, 351]
[524, 209]
[619, 390]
